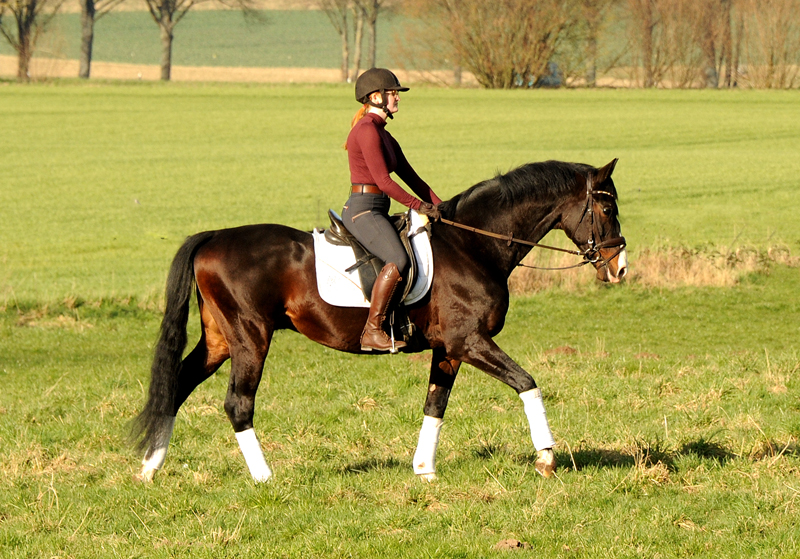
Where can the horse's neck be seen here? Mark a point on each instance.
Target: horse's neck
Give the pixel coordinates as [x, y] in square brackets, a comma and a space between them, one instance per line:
[530, 223]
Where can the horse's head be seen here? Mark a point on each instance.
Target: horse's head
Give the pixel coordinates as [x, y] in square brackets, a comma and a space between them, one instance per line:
[592, 222]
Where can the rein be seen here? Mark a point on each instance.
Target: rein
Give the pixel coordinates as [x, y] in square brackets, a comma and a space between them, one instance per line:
[590, 256]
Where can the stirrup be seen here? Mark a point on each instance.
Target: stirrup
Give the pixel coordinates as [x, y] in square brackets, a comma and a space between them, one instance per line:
[395, 346]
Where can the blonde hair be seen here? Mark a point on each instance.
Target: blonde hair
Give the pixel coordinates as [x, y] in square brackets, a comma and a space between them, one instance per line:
[356, 117]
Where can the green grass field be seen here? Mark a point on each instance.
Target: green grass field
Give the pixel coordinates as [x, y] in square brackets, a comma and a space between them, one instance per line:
[102, 182]
[676, 410]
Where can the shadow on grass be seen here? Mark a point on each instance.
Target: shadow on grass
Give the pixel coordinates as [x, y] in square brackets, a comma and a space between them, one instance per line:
[646, 454]
[487, 451]
[371, 464]
[706, 449]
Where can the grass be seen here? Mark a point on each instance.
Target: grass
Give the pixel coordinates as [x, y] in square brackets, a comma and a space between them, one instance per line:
[693, 442]
[675, 405]
[102, 182]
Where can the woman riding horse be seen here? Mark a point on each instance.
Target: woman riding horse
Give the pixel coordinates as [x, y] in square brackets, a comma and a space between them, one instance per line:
[373, 153]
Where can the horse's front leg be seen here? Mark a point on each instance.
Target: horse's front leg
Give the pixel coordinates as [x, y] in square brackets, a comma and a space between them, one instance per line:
[483, 353]
[443, 375]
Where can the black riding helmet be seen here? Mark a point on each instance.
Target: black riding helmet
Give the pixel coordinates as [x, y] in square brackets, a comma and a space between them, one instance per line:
[377, 79]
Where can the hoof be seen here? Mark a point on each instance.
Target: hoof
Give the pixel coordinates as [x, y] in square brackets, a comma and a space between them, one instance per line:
[430, 478]
[147, 475]
[546, 462]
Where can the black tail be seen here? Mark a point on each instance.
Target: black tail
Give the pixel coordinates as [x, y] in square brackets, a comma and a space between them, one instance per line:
[160, 405]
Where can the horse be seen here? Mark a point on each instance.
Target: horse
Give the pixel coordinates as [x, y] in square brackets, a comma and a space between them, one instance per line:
[252, 280]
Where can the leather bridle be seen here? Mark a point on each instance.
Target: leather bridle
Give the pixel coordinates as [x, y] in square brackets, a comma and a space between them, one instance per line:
[591, 255]
[592, 252]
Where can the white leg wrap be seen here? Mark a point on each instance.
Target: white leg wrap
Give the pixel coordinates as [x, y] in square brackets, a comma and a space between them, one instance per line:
[156, 455]
[425, 456]
[540, 429]
[253, 456]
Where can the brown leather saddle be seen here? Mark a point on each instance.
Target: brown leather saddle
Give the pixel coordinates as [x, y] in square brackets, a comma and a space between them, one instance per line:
[367, 264]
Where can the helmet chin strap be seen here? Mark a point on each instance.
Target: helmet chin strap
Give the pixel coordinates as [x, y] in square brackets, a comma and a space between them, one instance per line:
[382, 105]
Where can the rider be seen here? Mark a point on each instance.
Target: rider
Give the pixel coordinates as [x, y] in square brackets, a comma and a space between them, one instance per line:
[373, 153]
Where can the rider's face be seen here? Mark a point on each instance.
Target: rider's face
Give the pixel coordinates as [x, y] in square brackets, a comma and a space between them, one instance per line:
[392, 100]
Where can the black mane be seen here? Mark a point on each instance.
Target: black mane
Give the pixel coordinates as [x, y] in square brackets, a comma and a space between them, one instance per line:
[547, 179]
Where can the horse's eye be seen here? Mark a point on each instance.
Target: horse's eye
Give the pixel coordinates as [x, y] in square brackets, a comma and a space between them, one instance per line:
[606, 211]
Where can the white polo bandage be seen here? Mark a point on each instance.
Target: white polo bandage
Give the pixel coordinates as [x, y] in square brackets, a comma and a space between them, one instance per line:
[425, 456]
[541, 435]
[253, 455]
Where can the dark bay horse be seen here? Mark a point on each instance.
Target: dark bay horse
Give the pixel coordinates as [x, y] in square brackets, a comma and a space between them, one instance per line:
[253, 280]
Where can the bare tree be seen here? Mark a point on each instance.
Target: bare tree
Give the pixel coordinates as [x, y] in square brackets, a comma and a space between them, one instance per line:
[337, 12]
[30, 19]
[726, 43]
[373, 9]
[504, 43]
[772, 37]
[715, 36]
[168, 13]
[686, 40]
[359, 17]
[709, 40]
[665, 38]
[644, 20]
[593, 13]
[425, 48]
[91, 11]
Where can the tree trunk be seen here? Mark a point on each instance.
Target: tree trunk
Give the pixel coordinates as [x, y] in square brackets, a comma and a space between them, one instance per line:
[737, 52]
[727, 43]
[358, 13]
[592, 15]
[648, 26]
[345, 52]
[166, 49]
[24, 52]
[591, 59]
[708, 45]
[372, 40]
[87, 37]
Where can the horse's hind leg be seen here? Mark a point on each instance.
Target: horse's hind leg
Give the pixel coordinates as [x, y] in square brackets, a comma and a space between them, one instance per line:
[203, 361]
[443, 375]
[247, 364]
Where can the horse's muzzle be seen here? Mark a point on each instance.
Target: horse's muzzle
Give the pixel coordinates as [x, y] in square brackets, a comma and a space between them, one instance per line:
[613, 265]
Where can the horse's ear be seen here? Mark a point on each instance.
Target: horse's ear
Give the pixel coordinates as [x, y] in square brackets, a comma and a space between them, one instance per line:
[605, 172]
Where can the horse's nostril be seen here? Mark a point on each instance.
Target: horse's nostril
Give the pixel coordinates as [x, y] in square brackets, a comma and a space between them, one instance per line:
[622, 271]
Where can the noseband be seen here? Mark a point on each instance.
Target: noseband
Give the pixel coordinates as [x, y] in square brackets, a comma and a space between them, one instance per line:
[591, 255]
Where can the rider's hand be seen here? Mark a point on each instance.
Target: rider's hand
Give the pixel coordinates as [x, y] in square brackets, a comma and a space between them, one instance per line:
[430, 211]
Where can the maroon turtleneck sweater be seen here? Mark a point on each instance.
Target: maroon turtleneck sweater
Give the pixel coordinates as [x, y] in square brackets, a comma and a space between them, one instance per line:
[373, 153]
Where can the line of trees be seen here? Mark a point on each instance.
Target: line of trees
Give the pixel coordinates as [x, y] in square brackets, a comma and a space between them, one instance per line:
[514, 43]
[356, 16]
[22, 23]
[652, 43]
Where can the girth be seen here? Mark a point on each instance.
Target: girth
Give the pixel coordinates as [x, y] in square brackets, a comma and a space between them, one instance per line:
[367, 264]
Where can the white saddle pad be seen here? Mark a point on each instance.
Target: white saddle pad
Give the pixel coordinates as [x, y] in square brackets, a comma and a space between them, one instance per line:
[343, 289]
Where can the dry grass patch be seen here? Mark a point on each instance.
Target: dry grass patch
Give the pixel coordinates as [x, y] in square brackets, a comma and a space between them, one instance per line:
[667, 267]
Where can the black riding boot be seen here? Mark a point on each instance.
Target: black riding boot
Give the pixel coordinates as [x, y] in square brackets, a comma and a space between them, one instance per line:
[385, 286]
